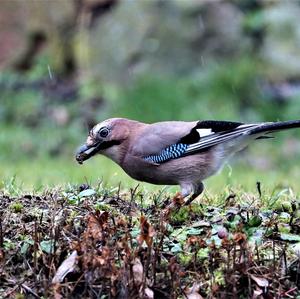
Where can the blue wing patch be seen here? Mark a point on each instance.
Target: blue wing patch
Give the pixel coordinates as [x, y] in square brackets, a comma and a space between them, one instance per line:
[173, 151]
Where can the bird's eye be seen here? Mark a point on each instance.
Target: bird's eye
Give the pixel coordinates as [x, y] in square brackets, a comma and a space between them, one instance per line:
[103, 132]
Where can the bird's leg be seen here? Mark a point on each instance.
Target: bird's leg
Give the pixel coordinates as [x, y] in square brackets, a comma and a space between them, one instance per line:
[178, 199]
[196, 193]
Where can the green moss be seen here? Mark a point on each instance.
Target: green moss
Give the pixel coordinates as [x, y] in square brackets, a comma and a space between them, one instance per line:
[203, 254]
[17, 207]
[181, 215]
[103, 207]
[219, 277]
[185, 258]
[19, 296]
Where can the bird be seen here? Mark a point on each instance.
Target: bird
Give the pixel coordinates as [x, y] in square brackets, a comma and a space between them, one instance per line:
[183, 153]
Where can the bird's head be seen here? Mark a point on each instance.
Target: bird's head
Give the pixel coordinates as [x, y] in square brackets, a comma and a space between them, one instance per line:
[105, 138]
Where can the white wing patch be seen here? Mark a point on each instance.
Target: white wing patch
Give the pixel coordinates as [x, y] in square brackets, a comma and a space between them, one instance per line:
[204, 132]
[246, 126]
[217, 138]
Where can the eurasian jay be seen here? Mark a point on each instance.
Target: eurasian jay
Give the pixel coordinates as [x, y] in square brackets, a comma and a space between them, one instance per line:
[173, 152]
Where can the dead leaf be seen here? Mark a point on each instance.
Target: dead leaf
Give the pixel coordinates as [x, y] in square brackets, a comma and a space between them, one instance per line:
[192, 293]
[1, 255]
[194, 296]
[260, 281]
[239, 238]
[66, 267]
[196, 241]
[174, 267]
[257, 294]
[202, 223]
[149, 293]
[56, 291]
[97, 222]
[138, 275]
[104, 258]
[138, 271]
[147, 232]
[178, 199]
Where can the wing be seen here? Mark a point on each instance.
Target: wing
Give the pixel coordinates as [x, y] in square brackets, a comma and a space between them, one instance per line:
[204, 135]
[154, 138]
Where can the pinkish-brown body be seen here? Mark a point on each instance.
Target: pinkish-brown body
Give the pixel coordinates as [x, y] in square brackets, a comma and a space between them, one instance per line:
[129, 143]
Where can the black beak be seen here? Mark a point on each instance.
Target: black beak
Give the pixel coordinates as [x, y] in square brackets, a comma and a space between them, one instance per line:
[85, 152]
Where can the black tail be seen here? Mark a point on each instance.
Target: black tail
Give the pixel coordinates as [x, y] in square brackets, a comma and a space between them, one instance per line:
[242, 131]
[276, 126]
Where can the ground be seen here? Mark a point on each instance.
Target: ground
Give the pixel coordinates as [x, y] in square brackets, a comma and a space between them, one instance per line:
[92, 242]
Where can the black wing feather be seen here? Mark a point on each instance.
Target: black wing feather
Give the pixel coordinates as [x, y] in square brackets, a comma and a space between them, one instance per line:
[215, 125]
[221, 131]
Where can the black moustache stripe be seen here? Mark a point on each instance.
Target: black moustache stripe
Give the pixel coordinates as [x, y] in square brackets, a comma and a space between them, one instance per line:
[108, 144]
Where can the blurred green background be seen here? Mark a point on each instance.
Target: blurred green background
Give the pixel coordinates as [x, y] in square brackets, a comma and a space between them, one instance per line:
[68, 64]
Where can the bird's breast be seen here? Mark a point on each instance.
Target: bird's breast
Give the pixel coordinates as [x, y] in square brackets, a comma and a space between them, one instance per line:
[191, 168]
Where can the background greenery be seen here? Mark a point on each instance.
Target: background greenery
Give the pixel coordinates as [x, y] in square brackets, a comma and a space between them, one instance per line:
[67, 66]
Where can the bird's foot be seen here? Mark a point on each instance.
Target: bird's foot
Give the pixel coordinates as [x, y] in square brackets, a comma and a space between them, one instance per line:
[190, 200]
[198, 190]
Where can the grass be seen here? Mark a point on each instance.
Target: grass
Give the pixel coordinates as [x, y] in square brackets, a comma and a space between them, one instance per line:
[43, 172]
[39, 152]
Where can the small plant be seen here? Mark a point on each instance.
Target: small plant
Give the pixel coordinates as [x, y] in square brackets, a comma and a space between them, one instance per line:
[17, 207]
[180, 216]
